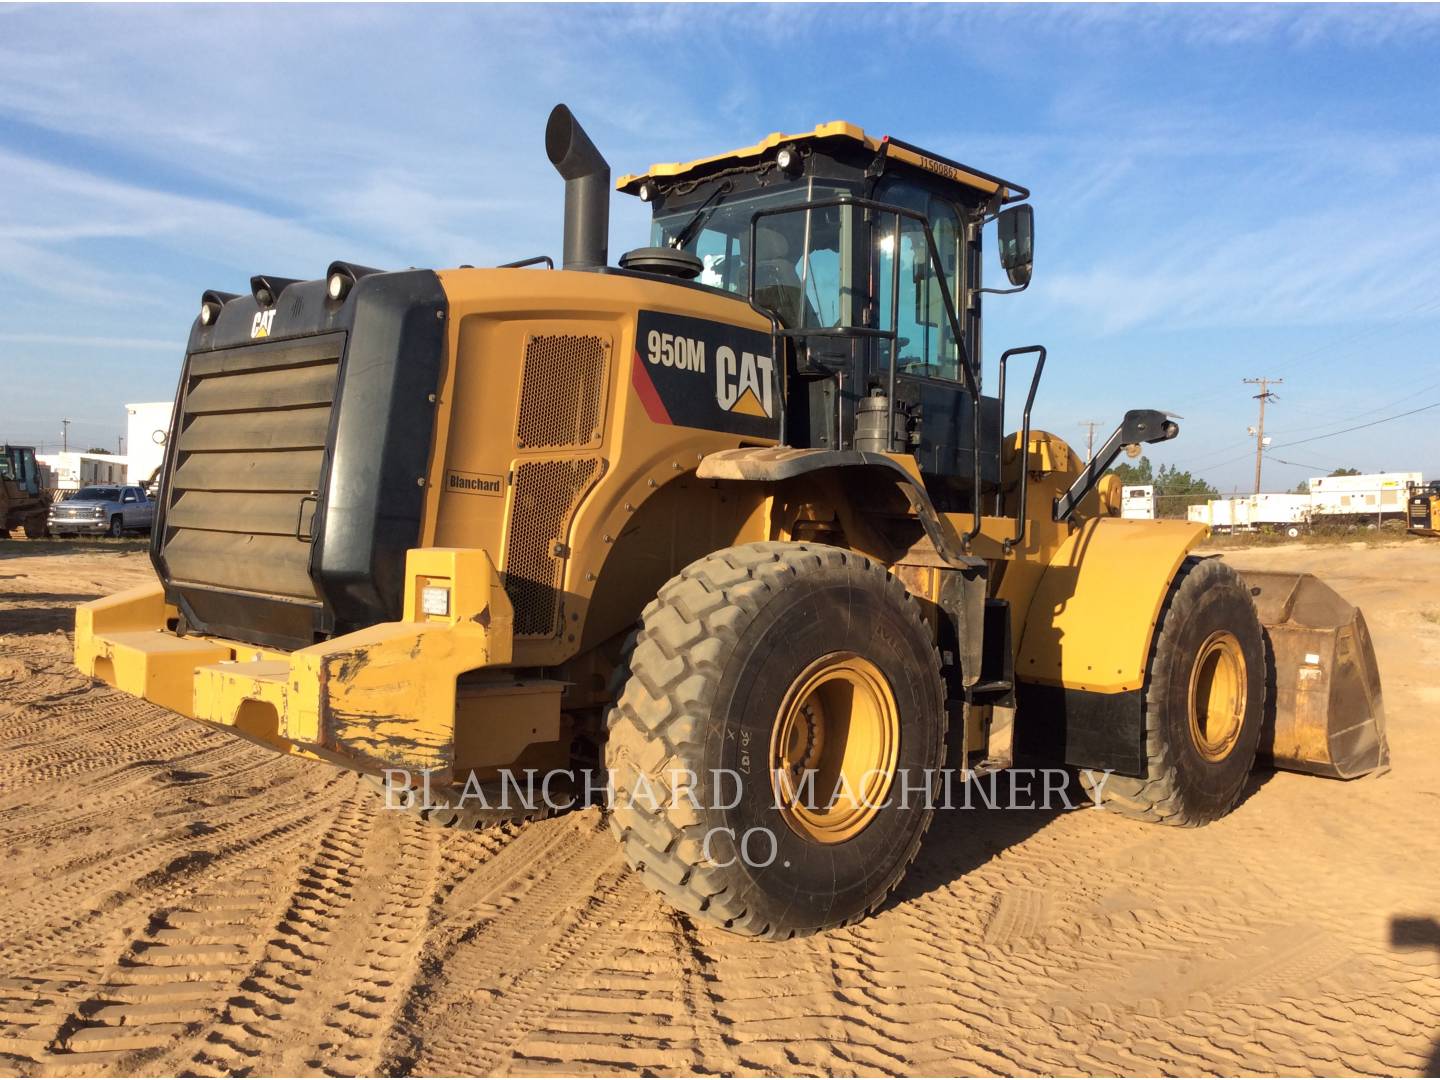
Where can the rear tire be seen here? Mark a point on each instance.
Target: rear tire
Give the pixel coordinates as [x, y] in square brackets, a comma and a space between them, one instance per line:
[777, 656]
[1204, 702]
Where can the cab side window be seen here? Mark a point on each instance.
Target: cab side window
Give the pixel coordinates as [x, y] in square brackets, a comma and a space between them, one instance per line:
[926, 344]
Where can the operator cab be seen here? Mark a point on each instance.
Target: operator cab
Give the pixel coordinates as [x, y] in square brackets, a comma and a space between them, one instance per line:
[866, 254]
[17, 464]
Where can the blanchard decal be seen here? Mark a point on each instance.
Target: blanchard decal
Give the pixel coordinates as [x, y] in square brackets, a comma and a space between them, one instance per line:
[702, 374]
[469, 483]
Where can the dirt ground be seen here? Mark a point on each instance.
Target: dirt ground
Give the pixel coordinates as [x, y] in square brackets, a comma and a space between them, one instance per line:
[173, 900]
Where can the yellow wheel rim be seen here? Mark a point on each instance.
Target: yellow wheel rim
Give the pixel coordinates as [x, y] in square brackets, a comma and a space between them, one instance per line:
[834, 747]
[1217, 696]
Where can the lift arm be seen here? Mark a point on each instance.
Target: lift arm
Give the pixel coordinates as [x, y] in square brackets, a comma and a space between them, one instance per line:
[1139, 426]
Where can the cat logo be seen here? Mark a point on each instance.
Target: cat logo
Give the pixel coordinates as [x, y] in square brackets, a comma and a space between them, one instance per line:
[743, 384]
[264, 322]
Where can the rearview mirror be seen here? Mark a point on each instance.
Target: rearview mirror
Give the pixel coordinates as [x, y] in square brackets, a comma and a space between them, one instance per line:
[1017, 242]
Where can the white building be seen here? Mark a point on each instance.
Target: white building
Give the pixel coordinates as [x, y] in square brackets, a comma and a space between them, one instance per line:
[148, 425]
[74, 469]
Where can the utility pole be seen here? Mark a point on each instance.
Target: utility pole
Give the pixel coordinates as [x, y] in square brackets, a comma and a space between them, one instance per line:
[64, 435]
[1265, 394]
[1089, 426]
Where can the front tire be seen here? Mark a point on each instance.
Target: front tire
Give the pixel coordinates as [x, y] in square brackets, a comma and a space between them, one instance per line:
[117, 527]
[1204, 702]
[755, 668]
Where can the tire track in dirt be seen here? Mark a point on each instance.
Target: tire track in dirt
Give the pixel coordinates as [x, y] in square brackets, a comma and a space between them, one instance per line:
[109, 886]
[209, 772]
[172, 974]
[548, 905]
[179, 928]
[301, 970]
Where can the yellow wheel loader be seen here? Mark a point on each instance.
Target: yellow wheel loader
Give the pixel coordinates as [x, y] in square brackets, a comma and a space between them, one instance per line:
[731, 529]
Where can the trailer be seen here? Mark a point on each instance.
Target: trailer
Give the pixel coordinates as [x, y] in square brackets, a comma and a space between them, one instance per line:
[1222, 515]
[1281, 511]
[1367, 499]
[1137, 502]
[1268, 511]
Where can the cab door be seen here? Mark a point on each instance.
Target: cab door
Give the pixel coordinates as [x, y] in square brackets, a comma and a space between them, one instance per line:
[928, 377]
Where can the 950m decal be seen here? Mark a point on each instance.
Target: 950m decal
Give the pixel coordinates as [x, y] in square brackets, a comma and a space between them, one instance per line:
[702, 374]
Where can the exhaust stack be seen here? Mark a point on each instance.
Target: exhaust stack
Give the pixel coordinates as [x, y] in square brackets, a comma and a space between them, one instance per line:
[587, 190]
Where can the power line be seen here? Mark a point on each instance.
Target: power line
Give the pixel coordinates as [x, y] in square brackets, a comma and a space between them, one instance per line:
[1360, 427]
[1356, 414]
[1089, 426]
[1301, 464]
[1286, 364]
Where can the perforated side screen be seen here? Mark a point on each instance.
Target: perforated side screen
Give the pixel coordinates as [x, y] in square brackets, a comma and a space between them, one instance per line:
[547, 493]
[562, 391]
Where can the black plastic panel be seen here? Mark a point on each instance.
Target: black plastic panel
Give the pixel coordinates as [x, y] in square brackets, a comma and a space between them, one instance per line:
[370, 509]
[1082, 728]
[369, 495]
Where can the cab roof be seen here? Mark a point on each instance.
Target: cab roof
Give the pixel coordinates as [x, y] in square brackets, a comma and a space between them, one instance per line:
[885, 146]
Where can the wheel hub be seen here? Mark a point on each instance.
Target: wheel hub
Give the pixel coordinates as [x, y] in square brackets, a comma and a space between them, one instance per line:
[1217, 696]
[834, 747]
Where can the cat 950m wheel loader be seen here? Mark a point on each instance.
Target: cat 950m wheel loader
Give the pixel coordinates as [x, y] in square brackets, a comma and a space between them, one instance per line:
[737, 517]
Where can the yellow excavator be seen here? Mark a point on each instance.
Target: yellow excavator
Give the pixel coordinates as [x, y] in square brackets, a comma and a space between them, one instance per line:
[732, 528]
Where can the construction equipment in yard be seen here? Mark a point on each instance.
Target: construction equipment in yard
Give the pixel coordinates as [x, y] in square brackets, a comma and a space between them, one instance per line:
[1422, 508]
[24, 501]
[736, 517]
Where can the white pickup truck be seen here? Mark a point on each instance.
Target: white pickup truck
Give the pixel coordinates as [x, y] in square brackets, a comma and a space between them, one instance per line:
[112, 509]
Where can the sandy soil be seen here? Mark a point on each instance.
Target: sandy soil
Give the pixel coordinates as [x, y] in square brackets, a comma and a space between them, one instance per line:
[175, 900]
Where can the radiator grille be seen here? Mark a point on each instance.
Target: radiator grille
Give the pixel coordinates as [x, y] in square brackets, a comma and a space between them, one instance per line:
[250, 450]
[562, 391]
[546, 496]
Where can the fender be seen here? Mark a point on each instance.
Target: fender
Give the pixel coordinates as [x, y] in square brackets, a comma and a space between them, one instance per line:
[769, 463]
[1087, 636]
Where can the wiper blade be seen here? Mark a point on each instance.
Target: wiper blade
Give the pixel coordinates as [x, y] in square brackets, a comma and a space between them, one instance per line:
[688, 230]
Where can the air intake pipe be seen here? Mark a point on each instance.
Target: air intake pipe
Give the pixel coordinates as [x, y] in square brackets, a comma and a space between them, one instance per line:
[587, 190]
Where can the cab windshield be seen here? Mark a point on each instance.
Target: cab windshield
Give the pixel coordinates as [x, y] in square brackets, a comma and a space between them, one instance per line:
[832, 267]
[100, 494]
[798, 257]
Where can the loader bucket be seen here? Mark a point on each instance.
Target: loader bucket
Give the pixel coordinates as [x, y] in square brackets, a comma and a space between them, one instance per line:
[1324, 714]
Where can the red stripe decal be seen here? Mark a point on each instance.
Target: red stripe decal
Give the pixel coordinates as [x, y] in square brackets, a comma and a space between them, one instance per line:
[649, 396]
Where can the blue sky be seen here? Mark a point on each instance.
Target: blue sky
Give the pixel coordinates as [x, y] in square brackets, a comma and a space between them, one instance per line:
[1220, 192]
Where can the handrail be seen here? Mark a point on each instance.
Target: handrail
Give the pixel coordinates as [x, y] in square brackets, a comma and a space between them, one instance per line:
[536, 261]
[1020, 522]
